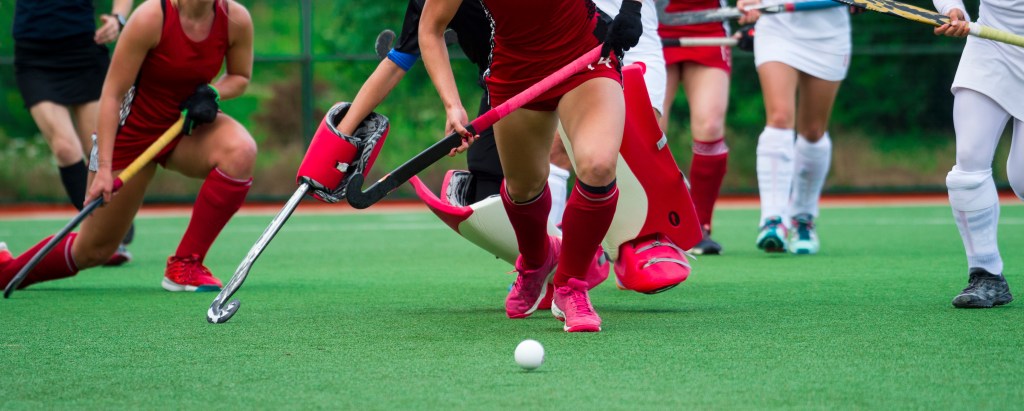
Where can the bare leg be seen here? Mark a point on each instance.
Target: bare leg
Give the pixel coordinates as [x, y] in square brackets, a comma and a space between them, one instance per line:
[103, 231]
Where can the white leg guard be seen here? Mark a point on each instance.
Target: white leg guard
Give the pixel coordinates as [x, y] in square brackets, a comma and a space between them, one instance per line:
[972, 194]
[775, 171]
[558, 180]
[1015, 161]
[811, 167]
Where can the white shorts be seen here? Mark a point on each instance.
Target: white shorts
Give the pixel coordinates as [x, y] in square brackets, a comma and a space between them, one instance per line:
[823, 65]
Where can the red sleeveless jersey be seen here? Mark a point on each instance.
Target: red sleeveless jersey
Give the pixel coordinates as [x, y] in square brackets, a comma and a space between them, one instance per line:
[169, 74]
[534, 38]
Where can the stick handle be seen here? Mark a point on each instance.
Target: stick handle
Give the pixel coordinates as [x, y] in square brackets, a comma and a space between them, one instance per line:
[699, 41]
[995, 34]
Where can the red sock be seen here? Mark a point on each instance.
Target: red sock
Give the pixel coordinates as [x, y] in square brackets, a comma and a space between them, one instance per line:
[55, 265]
[530, 222]
[707, 169]
[219, 198]
[584, 224]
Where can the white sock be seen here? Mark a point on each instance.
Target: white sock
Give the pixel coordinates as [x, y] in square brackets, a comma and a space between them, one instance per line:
[975, 203]
[811, 165]
[774, 171]
[558, 181]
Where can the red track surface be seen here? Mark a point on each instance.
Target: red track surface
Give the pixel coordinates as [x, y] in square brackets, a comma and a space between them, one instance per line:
[311, 207]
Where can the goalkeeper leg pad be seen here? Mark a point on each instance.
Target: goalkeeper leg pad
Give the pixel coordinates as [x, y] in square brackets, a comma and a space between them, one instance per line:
[333, 157]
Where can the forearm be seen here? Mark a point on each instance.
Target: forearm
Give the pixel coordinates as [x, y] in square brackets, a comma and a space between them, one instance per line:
[122, 7]
[106, 130]
[230, 86]
[435, 59]
[371, 94]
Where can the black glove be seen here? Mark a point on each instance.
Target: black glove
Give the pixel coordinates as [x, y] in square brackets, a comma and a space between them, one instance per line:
[746, 40]
[625, 30]
[200, 108]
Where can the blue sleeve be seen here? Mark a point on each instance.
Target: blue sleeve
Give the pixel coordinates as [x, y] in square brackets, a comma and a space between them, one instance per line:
[403, 60]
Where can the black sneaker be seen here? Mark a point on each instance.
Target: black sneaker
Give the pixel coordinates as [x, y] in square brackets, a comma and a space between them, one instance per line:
[984, 290]
[706, 246]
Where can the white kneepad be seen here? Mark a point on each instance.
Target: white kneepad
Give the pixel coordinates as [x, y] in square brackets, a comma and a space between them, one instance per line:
[971, 190]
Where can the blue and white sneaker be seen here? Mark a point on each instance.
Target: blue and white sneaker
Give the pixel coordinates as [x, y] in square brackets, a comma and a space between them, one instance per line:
[803, 239]
[772, 238]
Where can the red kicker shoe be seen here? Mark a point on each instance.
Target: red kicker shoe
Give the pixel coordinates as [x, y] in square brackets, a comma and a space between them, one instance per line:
[650, 265]
[188, 274]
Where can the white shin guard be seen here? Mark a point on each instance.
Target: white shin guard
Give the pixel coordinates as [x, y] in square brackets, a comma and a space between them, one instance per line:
[558, 182]
[775, 151]
[811, 165]
[975, 203]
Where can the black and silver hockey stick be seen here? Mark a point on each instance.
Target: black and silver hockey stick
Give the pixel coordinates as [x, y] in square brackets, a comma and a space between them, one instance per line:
[699, 41]
[362, 199]
[218, 312]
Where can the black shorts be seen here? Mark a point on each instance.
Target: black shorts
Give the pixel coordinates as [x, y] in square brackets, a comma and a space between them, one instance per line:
[67, 71]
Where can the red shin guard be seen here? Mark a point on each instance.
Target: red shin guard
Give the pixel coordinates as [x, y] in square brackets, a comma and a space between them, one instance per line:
[219, 198]
[584, 224]
[529, 221]
[706, 174]
[55, 265]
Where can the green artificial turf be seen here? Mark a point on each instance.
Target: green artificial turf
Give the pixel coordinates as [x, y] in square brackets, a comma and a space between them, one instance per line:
[395, 311]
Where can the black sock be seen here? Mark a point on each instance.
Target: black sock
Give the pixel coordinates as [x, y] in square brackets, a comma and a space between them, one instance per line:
[75, 177]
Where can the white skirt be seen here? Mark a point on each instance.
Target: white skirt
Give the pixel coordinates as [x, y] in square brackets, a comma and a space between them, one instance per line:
[796, 54]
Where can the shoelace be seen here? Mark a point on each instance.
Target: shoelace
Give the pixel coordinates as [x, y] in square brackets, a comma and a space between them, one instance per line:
[658, 243]
[582, 304]
[803, 229]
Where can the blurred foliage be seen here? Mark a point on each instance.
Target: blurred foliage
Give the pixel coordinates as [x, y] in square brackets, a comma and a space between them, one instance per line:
[892, 123]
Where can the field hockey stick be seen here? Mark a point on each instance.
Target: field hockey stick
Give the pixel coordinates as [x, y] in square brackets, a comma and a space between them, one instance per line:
[119, 182]
[920, 15]
[699, 41]
[731, 13]
[386, 39]
[218, 312]
[362, 199]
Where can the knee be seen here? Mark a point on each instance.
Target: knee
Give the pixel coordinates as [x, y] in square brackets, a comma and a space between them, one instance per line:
[708, 129]
[600, 172]
[522, 190]
[780, 119]
[238, 157]
[67, 150]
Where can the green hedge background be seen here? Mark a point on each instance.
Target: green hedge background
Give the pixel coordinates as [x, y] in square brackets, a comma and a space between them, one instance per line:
[892, 126]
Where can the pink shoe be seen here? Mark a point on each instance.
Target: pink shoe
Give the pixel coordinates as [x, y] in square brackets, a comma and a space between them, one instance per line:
[531, 286]
[188, 274]
[120, 257]
[572, 305]
[596, 274]
[650, 265]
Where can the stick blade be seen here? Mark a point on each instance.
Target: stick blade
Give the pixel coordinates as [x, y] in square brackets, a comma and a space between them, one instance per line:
[217, 315]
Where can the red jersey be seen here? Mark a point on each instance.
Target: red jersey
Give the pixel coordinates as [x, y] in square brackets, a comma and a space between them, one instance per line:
[714, 29]
[169, 74]
[534, 38]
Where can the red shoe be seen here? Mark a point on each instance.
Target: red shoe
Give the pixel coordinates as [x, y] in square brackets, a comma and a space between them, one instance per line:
[572, 305]
[188, 274]
[532, 286]
[651, 265]
[120, 257]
